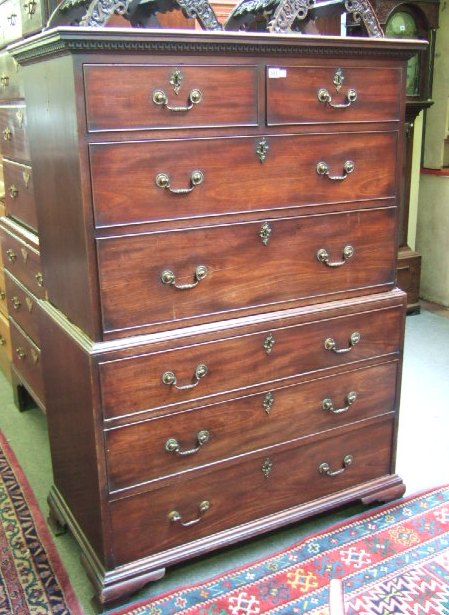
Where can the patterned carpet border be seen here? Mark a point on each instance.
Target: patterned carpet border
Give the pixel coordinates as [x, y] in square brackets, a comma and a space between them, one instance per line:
[393, 559]
[33, 580]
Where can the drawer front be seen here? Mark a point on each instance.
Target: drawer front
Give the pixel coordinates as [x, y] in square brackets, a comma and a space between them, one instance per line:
[23, 307]
[32, 17]
[13, 134]
[11, 82]
[3, 299]
[236, 267]
[23, 261]
[148, 97]
[27, 360]
[5, 337]
[19, 192]
[232, 177]
[312, 94]
[161, 447]
[261, 357]
[259, 485]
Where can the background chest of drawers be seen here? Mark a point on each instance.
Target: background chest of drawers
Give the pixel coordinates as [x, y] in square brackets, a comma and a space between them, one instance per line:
[222, 339]
[21, 279]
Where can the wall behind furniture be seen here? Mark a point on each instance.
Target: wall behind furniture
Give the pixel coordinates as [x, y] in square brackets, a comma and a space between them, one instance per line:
[432, 228]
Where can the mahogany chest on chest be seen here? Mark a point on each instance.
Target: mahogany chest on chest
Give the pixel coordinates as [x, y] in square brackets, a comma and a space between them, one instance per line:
[222, 339]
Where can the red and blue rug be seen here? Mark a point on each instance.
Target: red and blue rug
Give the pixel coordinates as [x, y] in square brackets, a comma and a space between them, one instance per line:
[32, 579]
[392, 560]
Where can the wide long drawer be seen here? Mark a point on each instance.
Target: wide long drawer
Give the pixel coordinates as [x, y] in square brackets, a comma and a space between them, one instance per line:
[261, 354]
[151, 96]
[248, 489]
[149, 450]
[13, 134]
[171, 277]
[178, 179]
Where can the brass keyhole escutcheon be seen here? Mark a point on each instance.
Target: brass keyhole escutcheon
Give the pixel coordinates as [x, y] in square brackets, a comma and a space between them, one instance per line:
[268, 343]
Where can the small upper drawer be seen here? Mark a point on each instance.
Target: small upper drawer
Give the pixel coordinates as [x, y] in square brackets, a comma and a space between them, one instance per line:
[314, 94]
[188, 178]
[13, 134]
[19, 192]
[133, 97]
[22, 259]
[182, 276]
[11, 82]
[262, 355]
[23, 307]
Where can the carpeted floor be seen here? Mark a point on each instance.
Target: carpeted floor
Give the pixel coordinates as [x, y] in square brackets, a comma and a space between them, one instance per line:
[423, 457]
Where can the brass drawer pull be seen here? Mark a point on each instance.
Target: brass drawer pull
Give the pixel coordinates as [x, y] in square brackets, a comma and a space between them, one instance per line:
[12, 19]
[323, 256]
[324, 468]
[172, 445]
[168, 277]
[163, 181]
[176, 517]
[169, 378]
[21, 353]
[2, 294]
[330, 343]
[12, 256]
[161, 98]
[325, 97]
[2, 341]
[16, 303]
[328, 405]
[322, 168]
[13, 191]
[39, 279]
[4, 80]
[30, 7]
[7, 134]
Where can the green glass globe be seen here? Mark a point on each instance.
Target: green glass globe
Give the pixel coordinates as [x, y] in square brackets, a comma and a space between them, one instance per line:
[401, 25]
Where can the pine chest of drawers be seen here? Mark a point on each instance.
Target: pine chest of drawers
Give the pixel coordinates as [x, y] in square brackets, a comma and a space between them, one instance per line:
[222, 340]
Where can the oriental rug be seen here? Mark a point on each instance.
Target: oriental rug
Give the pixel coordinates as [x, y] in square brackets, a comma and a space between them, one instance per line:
[32, 579]
[393, 559]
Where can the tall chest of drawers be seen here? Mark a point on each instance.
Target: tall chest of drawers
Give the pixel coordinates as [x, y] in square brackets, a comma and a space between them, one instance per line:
[222, 338]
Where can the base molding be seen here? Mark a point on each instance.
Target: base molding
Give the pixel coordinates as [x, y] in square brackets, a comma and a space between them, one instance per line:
[112, 585]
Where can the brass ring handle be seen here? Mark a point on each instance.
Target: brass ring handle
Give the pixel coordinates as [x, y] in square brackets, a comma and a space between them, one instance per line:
[16, 303]
[21, 353]
[172, 445]
[324, 96]
[323, 256]
[328, 405]
[161, 98]
[322, 168]
[176, 517]
[168, 277]
[7, 134]
[330, 343]
[324, 468]
[12, 256]
[169, 378]
[163, 181]
[13, 191]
